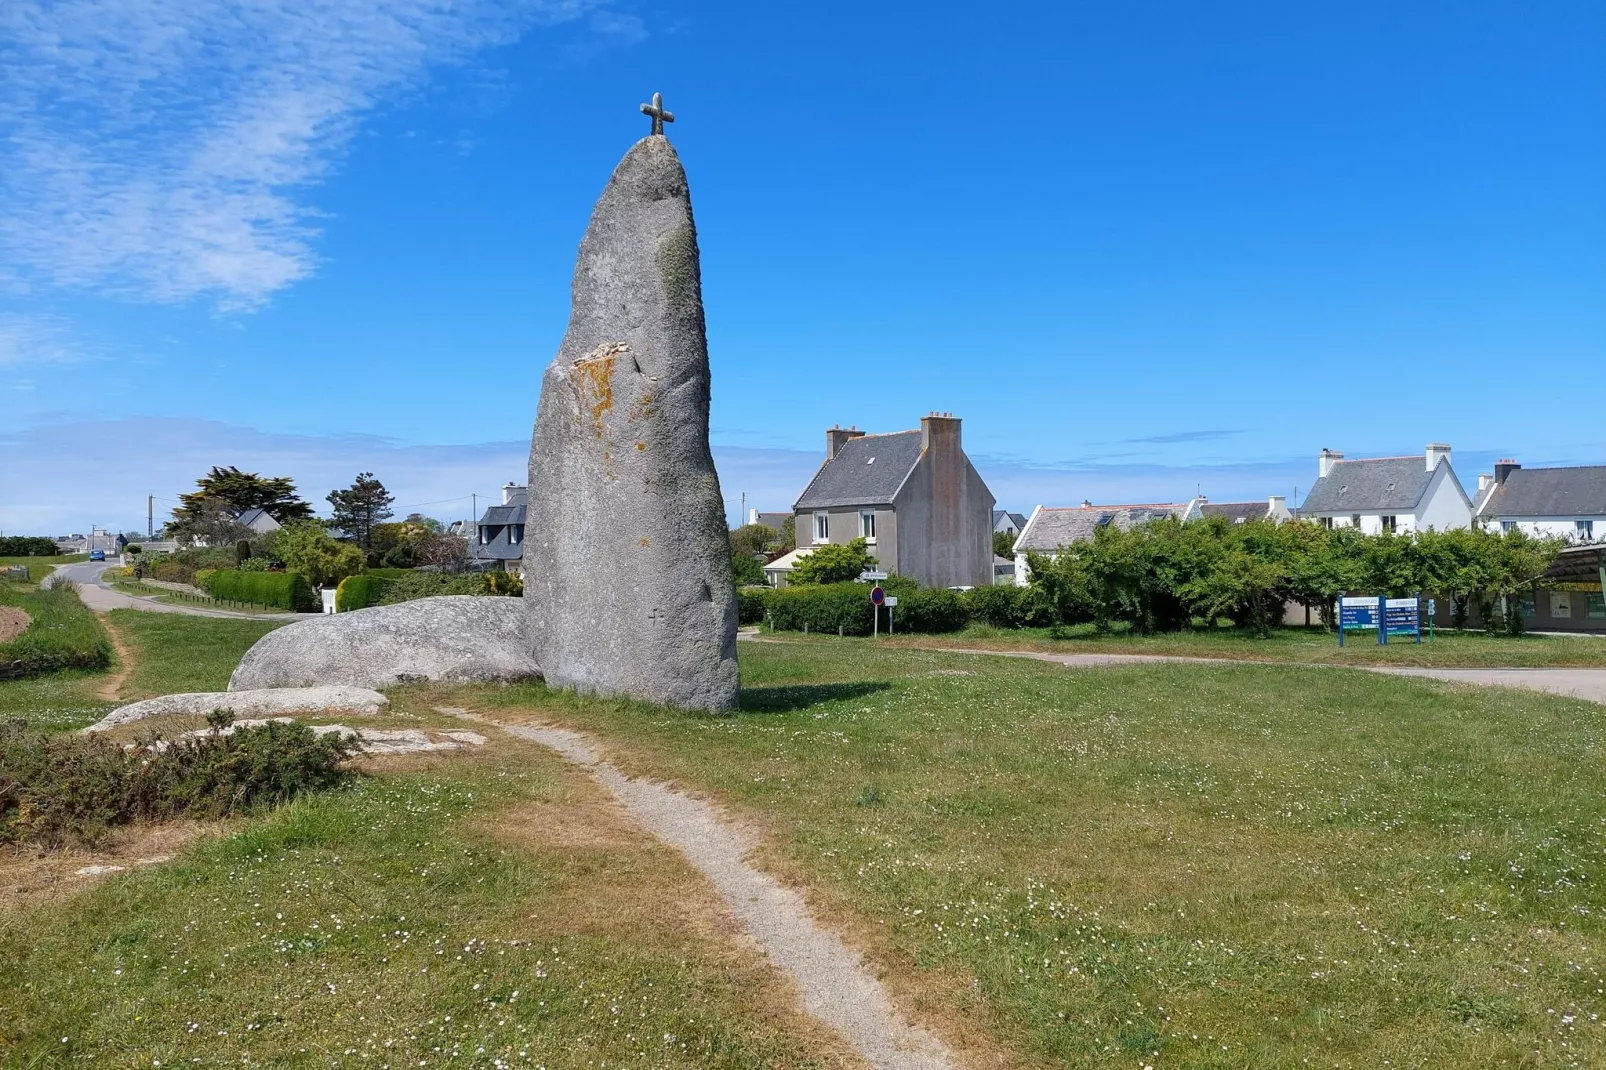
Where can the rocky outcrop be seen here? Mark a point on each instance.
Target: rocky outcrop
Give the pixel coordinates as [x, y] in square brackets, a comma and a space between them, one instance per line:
[626, 553]
[272, 702]
[453, 638]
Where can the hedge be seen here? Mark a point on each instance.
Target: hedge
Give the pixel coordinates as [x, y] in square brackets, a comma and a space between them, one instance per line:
[1008, 607]
[27, 546]
[281, 590]
[931, 610]
[822, 607]
[359, 591]
[750, 604]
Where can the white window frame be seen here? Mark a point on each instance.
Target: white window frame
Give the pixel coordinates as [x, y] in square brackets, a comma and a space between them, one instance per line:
[822, 527]
[1388, 523]
[1584, 529]
[867, 525]
[515, 534]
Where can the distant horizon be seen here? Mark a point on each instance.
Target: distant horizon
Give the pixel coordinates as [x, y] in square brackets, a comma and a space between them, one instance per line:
[1140, 253]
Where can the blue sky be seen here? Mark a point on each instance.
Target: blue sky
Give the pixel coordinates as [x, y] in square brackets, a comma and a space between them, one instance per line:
[1142, 249]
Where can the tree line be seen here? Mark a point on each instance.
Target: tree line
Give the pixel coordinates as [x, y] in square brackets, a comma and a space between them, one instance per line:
[1165, 574]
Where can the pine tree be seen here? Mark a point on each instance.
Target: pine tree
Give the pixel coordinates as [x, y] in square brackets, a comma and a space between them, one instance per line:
[359, 507]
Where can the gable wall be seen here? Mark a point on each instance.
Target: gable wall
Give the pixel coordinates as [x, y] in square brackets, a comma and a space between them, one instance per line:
[1443, 507]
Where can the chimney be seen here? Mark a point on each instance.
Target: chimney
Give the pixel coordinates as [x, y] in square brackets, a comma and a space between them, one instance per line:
[1437, 451]
[1087, 503]
[509, 492]
[1484, 480]
[1325, 461]
[1276, 505]
[1503, 469]
[836, 438]
[752, 516]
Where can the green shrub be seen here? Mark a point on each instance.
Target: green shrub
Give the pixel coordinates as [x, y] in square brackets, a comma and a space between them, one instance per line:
[1008, 607]
[27, 546]
[281, 590]
[56, 788]
[360, 591]
[170, 570]
[750, 604]
[62, 634]
[823, 607]
[413, 584]
[931, 610]
[203, 578]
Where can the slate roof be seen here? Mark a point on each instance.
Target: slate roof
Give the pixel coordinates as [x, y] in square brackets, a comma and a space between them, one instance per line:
[1051, 528]
[254, 514]
[1370, 485]
[867, 470]
[501, 547]
[1017, 518]
[773, 520]
[1237, 512]
[1558, 492]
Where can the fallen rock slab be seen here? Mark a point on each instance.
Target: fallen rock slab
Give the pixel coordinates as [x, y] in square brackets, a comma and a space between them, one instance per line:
[263, 702]
[451, 638]
[369, 740]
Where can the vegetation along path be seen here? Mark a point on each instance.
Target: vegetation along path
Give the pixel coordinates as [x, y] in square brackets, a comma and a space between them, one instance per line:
[102, 599]
[836, 987]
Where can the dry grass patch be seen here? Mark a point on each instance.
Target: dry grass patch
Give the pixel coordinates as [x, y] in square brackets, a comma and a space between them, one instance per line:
[13, 622]
[35, 876]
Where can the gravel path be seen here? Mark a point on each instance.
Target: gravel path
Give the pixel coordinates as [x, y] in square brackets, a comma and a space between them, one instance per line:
[101, 598]
[836, 987]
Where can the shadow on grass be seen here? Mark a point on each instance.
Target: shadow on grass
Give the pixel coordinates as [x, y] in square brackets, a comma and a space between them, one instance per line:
[784, 699]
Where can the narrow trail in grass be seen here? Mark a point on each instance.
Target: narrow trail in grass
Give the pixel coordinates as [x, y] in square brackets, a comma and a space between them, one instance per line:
[113, 685]
[836, 987]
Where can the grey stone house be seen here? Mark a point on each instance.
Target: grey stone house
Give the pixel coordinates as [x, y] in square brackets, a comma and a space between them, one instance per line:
[913, 496]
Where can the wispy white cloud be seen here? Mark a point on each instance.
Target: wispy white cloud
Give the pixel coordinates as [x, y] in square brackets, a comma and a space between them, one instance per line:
[35, 340]
[162, 150]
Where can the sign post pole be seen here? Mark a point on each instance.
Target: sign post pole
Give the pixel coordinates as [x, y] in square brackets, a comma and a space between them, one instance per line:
[877, 597]
[1340, 609]
[1382, 620]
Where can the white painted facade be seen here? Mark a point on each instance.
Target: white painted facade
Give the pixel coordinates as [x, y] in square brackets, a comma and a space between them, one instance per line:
[1443, 506]
[1572, 528]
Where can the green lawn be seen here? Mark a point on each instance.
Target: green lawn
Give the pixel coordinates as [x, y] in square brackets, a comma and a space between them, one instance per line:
[1447, 649]
[176, 652]
[1172, 865]
[40, 567]
[61, 634]
[479, 912]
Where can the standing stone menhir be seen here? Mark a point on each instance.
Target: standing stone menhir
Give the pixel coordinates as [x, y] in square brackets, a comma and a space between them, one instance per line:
[626, 552]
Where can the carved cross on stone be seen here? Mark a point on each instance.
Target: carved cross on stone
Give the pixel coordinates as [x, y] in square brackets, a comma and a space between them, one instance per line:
[656, 616]
[659, 116]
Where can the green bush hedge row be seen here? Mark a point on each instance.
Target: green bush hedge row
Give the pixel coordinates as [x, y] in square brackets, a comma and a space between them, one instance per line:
[281, 590]
[387, 586]
[27, 546]
[62, 634]
[930, 610]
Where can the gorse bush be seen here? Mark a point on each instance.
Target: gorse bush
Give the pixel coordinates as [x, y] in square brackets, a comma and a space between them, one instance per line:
[280, 590]
[57, 788]
[62, 633]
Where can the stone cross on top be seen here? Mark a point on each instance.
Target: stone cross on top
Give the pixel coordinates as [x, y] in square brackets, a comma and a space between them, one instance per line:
[659, 116]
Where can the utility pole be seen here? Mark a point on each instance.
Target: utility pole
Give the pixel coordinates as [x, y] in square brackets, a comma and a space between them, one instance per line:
[743, 518]
[473, 532]
[150, 516]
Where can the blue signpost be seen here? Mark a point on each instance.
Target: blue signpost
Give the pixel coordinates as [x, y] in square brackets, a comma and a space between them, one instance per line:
[1380, 614]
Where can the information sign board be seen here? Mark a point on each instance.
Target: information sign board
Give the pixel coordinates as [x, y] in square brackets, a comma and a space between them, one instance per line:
[1376, 613]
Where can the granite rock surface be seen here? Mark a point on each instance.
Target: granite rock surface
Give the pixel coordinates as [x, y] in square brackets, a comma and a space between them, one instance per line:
[626, 553]
[269, 702]
[452, 638]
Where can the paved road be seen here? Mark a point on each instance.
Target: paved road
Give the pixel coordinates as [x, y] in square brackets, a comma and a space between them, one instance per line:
[102, 598]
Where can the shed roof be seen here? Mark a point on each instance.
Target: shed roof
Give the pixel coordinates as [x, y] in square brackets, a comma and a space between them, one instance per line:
[1370, 485]
[1051, 528]
[867, 470]
[1555, 492]
[1237, 512]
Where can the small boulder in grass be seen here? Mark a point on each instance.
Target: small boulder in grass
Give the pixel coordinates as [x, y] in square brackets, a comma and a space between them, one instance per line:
[267, 703]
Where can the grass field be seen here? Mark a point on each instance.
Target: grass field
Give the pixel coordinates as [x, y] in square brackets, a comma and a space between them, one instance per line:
[40, 567]
[467, 912]
[173, 652]
[1447, 649]
[61, 634]
[1172, 865]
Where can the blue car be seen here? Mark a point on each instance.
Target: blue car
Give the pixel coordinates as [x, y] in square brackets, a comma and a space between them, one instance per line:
[97, 555]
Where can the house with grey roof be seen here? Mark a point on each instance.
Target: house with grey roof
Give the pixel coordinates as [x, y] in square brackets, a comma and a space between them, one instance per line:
[1007, 522]
[258, 521]
[913, 496]
[499, 533]
[1274, 508]
[1377, 494]
[1051, 529]
[1568, 503]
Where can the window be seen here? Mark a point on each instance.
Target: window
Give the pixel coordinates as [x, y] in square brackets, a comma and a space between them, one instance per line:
[1327, 522]
[1389, 523]
[485, 535]
[1355, 520]
[1507, 525]
[1594, 605]
[822, 527]
[867, 525]
[1585, 528]
[515, 533]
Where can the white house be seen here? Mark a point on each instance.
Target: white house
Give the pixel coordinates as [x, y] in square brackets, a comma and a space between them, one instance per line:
[1569, 503]
[1379, 494]
[1274, 508]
